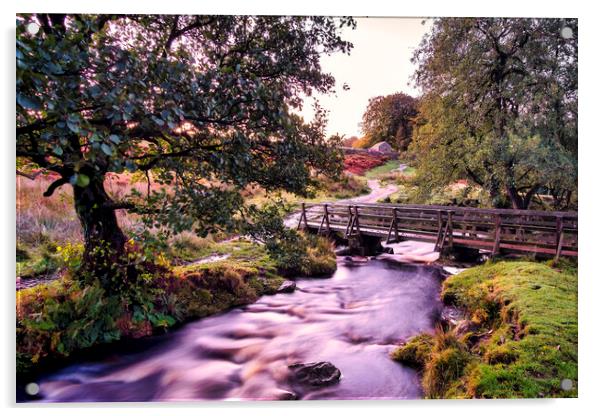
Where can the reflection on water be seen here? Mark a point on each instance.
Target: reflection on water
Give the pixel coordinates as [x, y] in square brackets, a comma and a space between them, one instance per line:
[353, 320]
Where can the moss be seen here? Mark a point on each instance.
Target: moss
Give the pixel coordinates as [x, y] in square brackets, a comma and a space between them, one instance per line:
[527, 339]
[416, 352]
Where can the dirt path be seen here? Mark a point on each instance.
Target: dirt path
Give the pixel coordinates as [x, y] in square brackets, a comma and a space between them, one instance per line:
[376, 192]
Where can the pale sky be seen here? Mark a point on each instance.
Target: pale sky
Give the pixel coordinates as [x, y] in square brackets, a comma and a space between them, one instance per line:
[379, 64]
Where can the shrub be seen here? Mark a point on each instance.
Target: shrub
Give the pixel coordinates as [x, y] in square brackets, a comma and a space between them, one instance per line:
[359, 163]
[302, 254]
[62, 317]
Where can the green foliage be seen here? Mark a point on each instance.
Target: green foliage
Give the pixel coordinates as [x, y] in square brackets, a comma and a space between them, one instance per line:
[525, 343]
[57, 319]
[71, 255]
[61, 317]
[391, 119]
[41, 260]
[500, 107]
[99, 94]
[293, 253]
[302, 254]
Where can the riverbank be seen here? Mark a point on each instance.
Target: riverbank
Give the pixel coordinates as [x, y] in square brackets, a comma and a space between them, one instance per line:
[56, 317]
[518, 338]
[351, 319]
[61, 318]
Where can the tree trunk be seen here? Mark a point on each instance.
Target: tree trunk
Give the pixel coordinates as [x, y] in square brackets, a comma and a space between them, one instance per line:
[104, 242]
[518, 201]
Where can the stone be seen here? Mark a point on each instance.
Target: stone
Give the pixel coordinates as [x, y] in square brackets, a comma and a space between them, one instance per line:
[316, 374]
[388, 250]
[280, 394]
[287, 286]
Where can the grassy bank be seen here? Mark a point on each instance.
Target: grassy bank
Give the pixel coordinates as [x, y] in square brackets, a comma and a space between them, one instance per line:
[344, 187]
[382, 170]
[520, 338]
[58, 319]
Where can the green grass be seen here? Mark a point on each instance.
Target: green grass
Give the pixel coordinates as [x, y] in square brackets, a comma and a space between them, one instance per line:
[409, 171]
[525, 341]
[34, 261]
[382, 170]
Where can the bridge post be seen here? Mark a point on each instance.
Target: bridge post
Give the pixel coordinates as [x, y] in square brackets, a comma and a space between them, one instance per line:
[303, 217]
[393, 227]
[349, 222]
[498, 235]
[559, 236]
[439, 230]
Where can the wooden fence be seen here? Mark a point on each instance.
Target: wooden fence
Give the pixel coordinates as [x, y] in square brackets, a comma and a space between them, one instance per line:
[545, 232]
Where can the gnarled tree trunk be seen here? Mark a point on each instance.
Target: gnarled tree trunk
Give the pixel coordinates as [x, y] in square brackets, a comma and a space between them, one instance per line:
[104, 242]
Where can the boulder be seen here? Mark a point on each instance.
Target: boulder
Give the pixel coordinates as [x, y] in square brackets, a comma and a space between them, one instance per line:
[287, 286]
[315, 374]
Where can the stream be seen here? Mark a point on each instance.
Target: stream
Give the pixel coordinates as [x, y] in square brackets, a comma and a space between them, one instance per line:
[352, 319]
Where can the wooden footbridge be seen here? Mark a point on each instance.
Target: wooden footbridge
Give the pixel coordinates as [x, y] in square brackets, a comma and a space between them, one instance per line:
[492, 230]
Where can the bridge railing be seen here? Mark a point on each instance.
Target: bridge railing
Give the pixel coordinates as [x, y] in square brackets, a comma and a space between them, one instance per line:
[489, 229]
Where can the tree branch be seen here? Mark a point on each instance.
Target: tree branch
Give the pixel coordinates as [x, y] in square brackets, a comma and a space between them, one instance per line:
[30, 176]
[54, 185]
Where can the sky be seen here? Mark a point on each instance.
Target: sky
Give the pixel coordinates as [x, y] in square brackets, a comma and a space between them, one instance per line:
[379, 64]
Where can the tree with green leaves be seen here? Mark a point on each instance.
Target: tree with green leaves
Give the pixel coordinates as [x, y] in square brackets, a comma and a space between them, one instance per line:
[499, 107]
[203, 105]
[390, 118]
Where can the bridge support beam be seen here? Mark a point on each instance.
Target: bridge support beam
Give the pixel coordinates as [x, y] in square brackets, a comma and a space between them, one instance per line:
[462, 254]
[365, 245]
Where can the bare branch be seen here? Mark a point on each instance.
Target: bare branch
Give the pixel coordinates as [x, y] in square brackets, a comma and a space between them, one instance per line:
[55, 185]
[30, 176]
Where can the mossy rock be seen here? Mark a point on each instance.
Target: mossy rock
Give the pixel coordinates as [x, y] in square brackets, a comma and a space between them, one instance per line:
[416, 352]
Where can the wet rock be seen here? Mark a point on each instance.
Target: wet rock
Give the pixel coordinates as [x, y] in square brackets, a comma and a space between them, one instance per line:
[315, 374]
[388, 250]
[280, 394]
[287, 286]
[450, 316]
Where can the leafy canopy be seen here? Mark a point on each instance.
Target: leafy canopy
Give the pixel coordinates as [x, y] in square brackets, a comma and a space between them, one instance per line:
[205, 104]
[499, 106]
[389, 118]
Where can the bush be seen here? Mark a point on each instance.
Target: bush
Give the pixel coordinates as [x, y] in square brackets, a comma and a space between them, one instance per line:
[56, 319]
[62, 317]
[302, 254]
[359, 163]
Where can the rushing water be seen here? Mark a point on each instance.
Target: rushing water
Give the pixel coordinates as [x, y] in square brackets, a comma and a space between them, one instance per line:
[353, 319]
